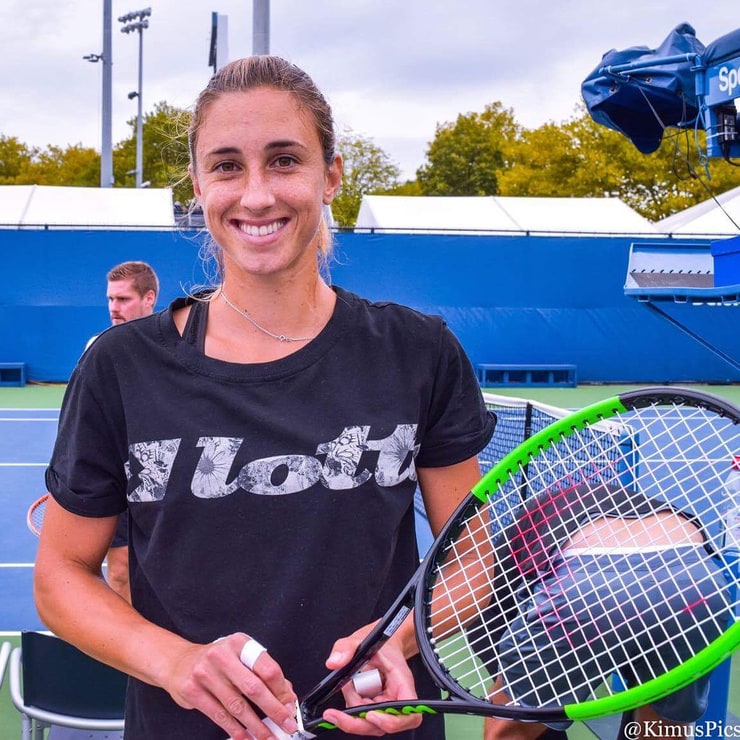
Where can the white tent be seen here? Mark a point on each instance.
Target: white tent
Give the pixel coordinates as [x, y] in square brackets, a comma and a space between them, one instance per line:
[42, 206]
[706, 219]
[499, 214]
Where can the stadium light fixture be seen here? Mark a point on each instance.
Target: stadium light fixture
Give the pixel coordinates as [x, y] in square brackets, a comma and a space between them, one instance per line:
[137, 20]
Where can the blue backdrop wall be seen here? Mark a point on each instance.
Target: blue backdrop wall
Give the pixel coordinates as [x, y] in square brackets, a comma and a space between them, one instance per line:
[510, 299]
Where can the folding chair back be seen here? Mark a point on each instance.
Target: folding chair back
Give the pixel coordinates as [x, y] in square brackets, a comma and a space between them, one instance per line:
[64, 691]
[59, 678]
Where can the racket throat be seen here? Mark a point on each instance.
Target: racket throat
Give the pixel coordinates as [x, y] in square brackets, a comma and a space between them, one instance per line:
[376, 638]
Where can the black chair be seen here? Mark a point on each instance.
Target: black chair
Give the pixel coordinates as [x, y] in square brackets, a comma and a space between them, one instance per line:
[65, 691]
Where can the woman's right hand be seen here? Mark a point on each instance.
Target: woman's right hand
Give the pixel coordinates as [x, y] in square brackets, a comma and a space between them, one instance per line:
[212, 679]
[76, 603]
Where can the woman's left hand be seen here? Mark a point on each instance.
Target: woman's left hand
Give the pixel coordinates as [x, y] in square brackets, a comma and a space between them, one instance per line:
[398, 683]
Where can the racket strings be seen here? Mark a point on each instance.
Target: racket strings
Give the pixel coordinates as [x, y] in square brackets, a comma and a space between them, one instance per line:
[35, 514]
[602, 556]
[659, 645]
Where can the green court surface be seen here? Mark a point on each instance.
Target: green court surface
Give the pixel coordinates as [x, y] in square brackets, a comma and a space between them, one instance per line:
[32, 396]
[583, 395]
[49, 395]
[458, 727]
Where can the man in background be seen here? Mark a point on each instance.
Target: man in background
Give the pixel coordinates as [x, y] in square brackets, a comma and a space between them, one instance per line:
[132, 293]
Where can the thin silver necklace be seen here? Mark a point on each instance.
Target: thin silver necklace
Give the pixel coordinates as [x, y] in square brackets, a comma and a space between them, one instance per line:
[279, 337]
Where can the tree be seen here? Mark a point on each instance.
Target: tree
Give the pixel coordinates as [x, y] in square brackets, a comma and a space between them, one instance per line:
[75, 165]
[466, 158]
[165, 152]
[24, 165]
[410, 187]
[15, 157]
[581, 158]
[367, 170]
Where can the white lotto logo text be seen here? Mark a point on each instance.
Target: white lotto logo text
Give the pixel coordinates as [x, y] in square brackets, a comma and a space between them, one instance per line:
[700, 729]
[728, 79]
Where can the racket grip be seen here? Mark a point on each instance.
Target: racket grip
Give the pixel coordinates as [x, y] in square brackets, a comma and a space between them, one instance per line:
[368, 683]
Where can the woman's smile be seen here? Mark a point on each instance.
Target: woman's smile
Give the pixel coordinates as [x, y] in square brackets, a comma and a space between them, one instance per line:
[263, 229]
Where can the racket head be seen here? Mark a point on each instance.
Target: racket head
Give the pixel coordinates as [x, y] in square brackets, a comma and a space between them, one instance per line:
[668, 444]
[35, 514]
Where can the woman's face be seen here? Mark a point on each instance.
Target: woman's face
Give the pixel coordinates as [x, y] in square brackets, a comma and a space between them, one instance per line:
[261, 178]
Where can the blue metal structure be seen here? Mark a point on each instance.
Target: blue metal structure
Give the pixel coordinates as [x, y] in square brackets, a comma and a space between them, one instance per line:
[717, 88]
[640, 91]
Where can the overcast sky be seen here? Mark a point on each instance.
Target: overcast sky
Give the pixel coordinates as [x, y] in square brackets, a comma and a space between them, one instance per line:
[391, 69]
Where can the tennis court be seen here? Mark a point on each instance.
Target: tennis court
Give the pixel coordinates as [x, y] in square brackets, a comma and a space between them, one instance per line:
[28, 419]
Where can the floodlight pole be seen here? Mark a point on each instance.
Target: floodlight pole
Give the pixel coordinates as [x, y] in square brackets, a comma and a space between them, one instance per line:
[139, 116]
[106, 139]
[260, 27]
[138, 25]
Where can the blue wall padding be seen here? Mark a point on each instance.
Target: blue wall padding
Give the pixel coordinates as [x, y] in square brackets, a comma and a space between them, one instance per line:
[510, 299]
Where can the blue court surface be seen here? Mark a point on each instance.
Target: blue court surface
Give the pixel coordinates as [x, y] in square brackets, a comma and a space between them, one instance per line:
[26, 441]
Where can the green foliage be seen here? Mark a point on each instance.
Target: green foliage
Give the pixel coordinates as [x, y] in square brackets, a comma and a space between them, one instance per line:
[74, 165]
[581, 158]
[467, 157]
[489, 154]
[15, 158]
[367, 170]
[410, 187]
[23, 165]
[164, 152]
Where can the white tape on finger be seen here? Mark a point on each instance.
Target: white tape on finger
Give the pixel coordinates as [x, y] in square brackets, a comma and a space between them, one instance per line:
[368, 683]
[250, 652]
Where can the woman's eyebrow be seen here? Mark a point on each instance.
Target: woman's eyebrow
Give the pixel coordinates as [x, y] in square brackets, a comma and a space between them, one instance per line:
[231, 150]
[284, 144]
[221, 151]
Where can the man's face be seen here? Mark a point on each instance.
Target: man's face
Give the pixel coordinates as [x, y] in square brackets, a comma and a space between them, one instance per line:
[124, 303]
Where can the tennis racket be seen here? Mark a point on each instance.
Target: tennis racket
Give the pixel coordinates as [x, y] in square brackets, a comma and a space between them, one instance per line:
[35, 514]
[511, 616]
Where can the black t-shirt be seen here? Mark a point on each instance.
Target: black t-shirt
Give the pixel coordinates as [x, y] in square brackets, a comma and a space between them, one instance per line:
[272, 498]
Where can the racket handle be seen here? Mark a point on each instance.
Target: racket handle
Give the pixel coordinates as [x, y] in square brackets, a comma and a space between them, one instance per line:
[368, 683]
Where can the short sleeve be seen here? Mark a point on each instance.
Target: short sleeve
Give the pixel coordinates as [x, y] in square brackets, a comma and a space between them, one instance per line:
[86, 473]
[459, 424]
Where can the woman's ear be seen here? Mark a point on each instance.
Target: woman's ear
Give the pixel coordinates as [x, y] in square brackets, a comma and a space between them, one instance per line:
[333, 179]
[194, 180]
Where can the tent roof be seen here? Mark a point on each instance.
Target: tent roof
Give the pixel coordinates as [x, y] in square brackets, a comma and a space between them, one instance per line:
[53, 206]
[706, 218]
[499, 214]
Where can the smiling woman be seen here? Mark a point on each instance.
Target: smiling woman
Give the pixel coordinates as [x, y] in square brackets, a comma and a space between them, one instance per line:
[266, 438]
[259, 155]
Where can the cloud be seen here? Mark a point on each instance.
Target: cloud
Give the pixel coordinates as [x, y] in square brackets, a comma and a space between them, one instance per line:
[392, 70]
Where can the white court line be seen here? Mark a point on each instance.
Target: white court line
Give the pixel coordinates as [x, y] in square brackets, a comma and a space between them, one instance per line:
[23, 465]
[28, 418]
[17, 565]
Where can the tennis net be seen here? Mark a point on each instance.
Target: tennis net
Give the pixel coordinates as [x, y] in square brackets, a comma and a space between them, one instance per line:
[517, 420]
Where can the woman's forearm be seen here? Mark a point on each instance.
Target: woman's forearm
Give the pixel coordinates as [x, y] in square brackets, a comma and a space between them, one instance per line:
[79, 606]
